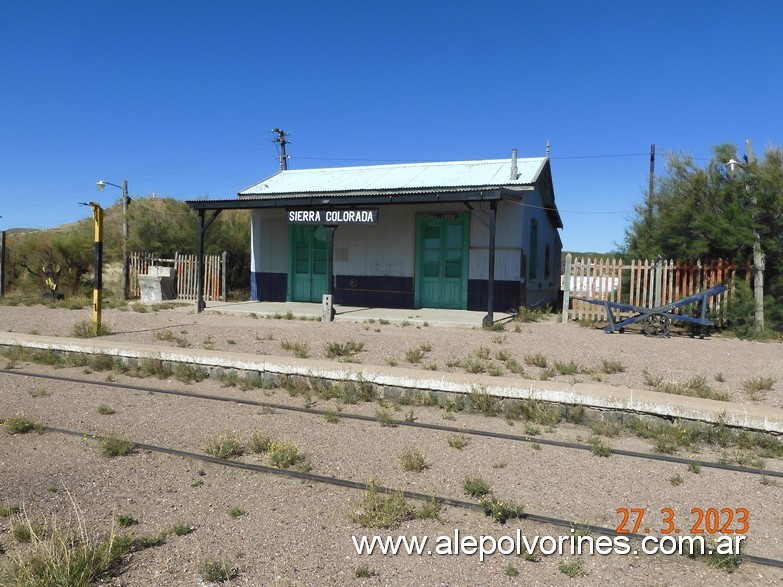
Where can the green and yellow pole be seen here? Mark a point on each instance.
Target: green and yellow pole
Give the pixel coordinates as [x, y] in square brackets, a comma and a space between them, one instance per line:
[97, 291]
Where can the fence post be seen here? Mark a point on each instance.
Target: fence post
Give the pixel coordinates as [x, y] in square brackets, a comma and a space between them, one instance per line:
[657, 286]
[223, 276]
[566, 288]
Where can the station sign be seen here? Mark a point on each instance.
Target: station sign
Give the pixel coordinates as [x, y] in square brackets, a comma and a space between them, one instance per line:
[323, 216]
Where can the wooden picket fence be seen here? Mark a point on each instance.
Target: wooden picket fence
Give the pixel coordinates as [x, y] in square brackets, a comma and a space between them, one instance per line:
[138, 264]
[187, 274]
[643, 283]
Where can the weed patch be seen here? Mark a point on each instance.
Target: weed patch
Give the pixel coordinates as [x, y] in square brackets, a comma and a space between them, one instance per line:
[475, 487]
[569, 368]
[180, 529]
[186, 373]
[598, 447]
[299, 349]
[86, 329]
[365, 572]
[73, 558]
[37, 392]
[458, 441]
[381, 510]
[167, 335]
[7, 511]
[285, 455]
[536, 360]
[481, 401]
[126, 521]
[344, 350]
[610, 366]
[501, 511]
[224, 446]
[412, 460]
[573, 569]
[20, 425]
[525, 314]
[236, 512]
[260, 442]
[755, 387]
[215, 571]
[696, 387]
[385, 418]
[116, 447]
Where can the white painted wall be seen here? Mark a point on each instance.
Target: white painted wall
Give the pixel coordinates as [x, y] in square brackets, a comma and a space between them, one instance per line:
[385, 249]
[272, 253]
[388, 248]
[508, 244]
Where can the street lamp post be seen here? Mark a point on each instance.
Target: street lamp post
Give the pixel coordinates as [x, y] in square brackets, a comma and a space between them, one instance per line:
[124, 188]
[758, 256]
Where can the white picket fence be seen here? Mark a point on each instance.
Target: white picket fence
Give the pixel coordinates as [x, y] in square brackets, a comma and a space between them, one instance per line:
[642, 283]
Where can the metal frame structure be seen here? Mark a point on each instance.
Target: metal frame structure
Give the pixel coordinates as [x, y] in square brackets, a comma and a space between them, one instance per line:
[657, 321]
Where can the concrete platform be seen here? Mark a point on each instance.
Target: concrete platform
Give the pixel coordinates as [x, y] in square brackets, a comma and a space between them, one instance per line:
[359, 314]
[589, 395]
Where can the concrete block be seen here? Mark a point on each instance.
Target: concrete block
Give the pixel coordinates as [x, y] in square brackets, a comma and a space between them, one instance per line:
[159, 284]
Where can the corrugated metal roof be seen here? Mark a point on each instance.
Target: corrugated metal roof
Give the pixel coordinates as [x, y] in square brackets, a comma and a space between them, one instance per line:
[450, 175]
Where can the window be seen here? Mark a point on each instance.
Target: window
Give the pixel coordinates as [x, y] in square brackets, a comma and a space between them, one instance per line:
[532, 268]
[547, 262]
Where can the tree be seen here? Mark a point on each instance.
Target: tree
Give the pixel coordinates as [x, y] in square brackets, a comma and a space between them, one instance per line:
[64, 256]
[700, 212]
[164, 226]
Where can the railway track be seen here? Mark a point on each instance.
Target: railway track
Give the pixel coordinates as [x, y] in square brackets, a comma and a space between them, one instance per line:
[361, 486]
[402, 423]
[357, 485]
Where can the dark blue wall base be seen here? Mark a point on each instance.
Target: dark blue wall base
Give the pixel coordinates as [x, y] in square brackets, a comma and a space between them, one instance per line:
[268, 287]
[506, 295]
[383, 292]
[374, 291]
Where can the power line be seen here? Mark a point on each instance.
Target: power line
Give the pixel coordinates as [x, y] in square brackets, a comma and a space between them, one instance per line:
[600, 156]
[438, 160]
[524, 205]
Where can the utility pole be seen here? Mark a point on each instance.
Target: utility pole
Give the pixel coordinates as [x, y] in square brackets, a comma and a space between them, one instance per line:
[97, 291]
[2, 264]
[759, 259]
[125, 267]
[650, 192]
[280, 139]
[125, 200]
[758, 255]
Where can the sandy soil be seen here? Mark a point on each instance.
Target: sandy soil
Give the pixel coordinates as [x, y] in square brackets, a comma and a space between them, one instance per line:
[725, 363]
[299, 533]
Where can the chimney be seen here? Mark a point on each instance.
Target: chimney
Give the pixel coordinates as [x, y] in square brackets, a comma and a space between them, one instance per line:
[514, 175]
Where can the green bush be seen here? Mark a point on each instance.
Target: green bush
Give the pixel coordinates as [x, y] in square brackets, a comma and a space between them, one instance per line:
[740, 312]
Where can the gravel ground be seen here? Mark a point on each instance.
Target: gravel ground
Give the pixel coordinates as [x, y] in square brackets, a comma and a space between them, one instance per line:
[725, 364]
[299, 533]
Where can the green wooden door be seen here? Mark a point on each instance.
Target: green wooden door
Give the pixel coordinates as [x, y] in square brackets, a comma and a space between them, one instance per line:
[442, 262]
[308, 263]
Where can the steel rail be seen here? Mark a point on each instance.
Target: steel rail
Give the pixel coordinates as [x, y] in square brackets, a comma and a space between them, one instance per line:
[438, 427]
[358, 485]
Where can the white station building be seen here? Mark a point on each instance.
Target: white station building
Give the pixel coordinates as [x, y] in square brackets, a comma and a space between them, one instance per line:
[405, 236]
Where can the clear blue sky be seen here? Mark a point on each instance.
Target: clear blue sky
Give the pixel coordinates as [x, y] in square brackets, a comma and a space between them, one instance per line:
[178, 97]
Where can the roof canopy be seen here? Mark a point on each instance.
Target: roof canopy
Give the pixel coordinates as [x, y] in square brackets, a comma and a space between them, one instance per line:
[450, 175]
[451, 181]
